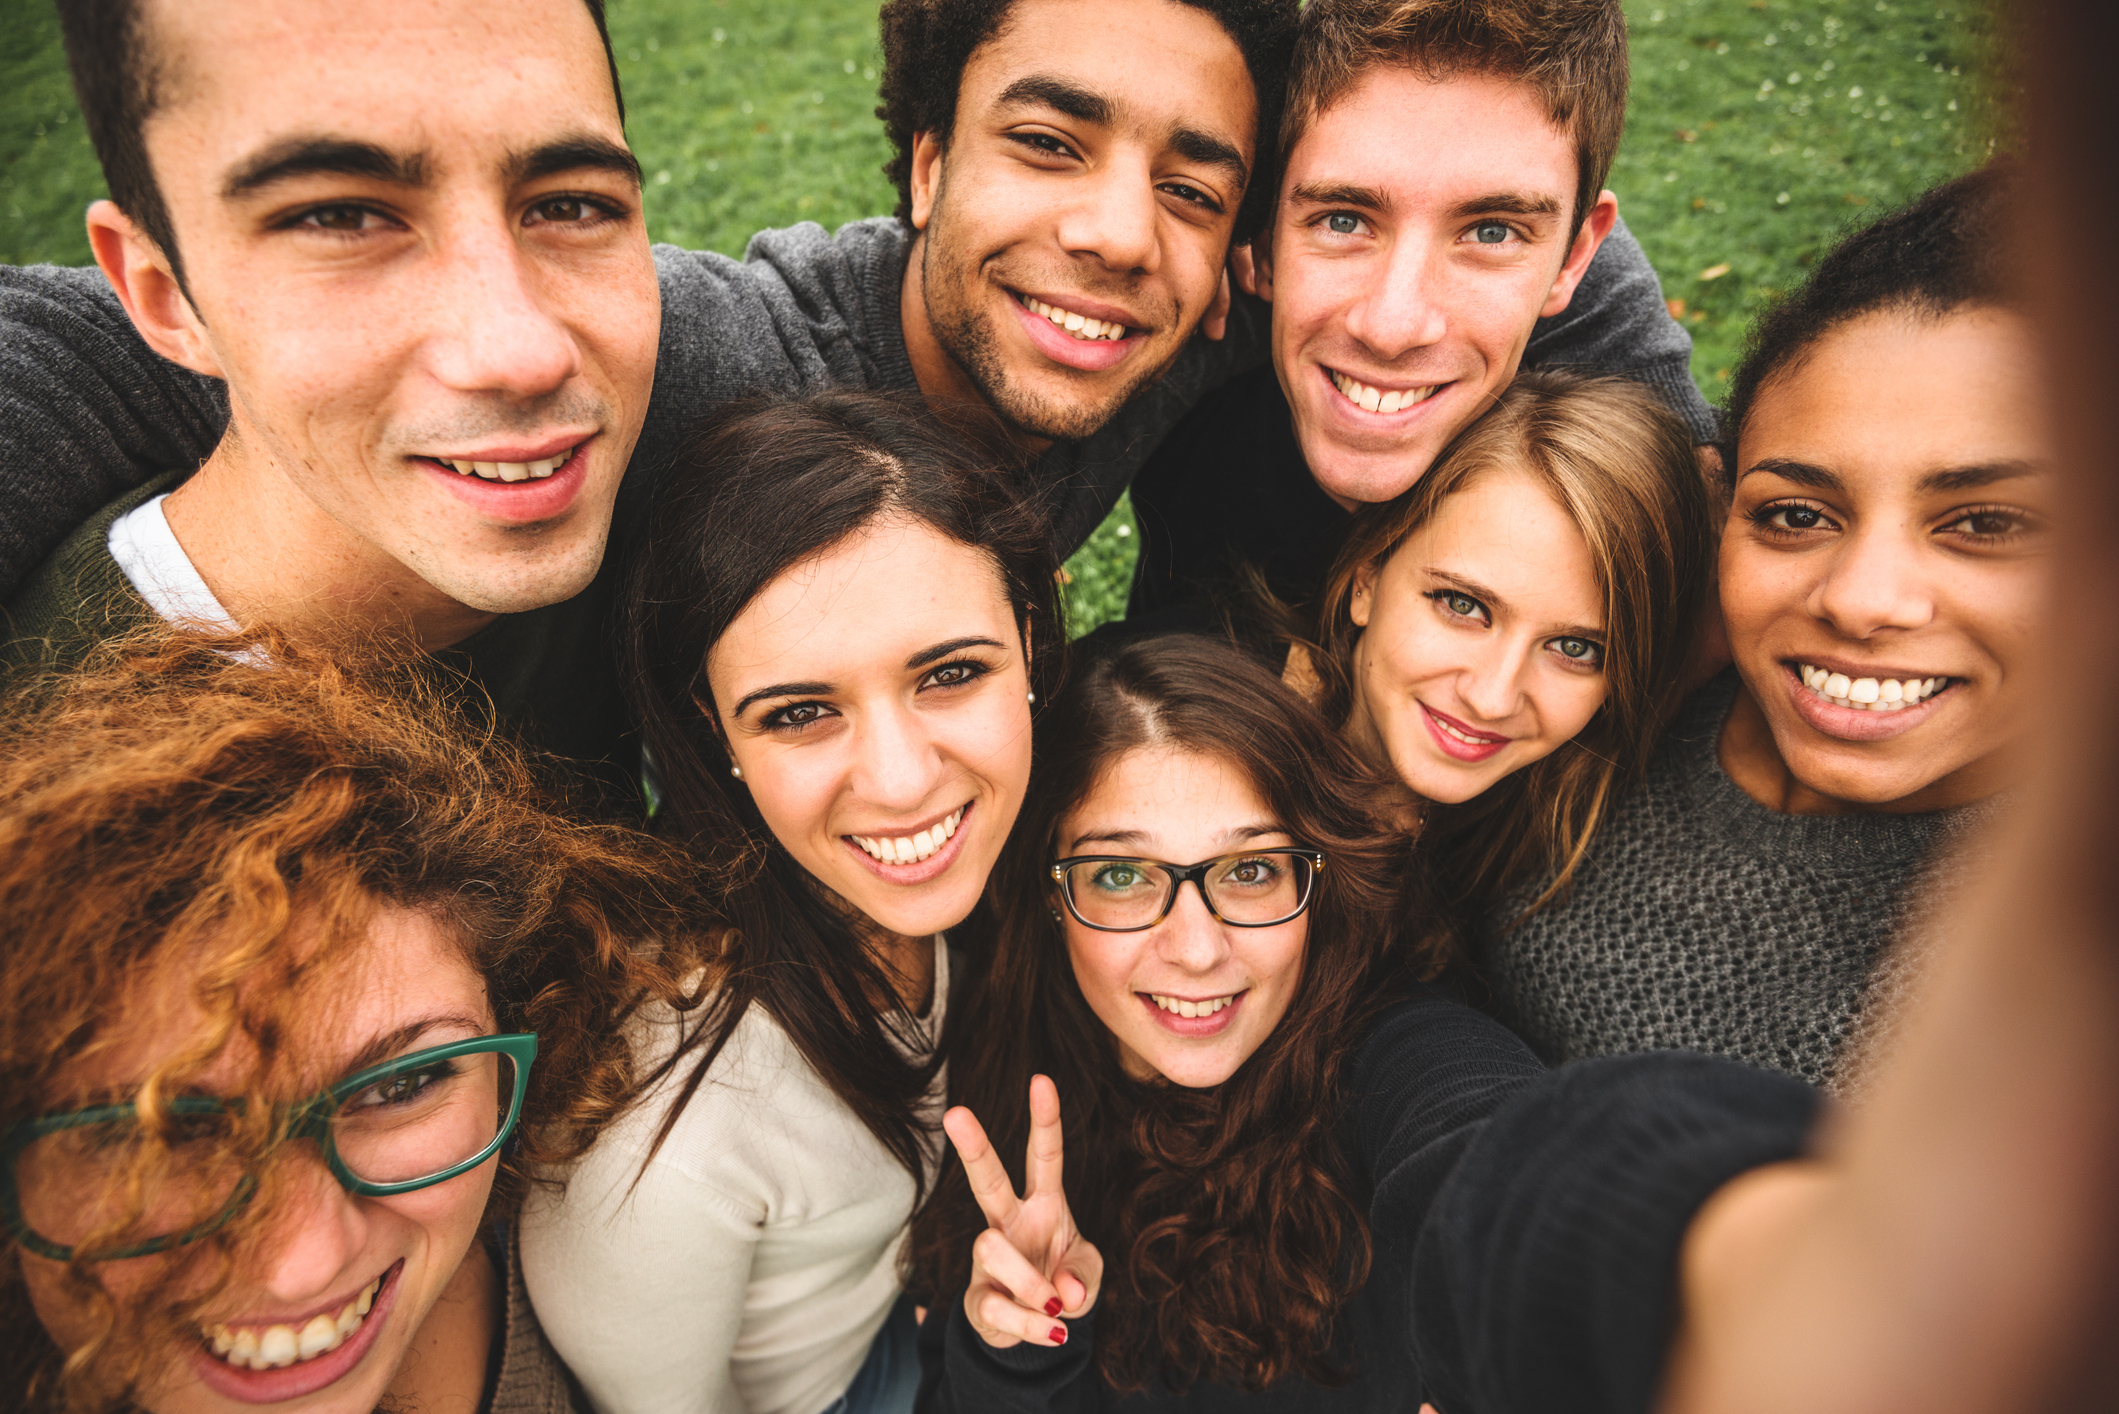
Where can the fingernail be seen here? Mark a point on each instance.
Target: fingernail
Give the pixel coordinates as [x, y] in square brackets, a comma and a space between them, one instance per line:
[1052, 1307]
[1059, 1335]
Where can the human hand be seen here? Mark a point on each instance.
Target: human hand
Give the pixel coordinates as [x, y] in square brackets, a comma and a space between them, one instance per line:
[1031, 1265]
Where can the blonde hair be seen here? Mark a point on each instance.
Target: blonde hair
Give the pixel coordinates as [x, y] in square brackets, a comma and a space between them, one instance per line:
[1623, 467]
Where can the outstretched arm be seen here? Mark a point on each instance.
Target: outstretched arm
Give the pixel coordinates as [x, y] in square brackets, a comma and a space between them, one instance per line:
[87, 410]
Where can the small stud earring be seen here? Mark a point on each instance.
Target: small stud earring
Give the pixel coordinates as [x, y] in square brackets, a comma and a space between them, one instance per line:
[736, 771]
[1056, 916]
[1030, 697]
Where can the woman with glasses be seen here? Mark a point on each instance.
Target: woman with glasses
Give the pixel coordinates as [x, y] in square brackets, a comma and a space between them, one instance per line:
[294, 984]
[1264, 1166]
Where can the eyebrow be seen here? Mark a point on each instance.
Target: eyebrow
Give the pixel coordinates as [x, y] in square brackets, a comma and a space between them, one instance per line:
[574, 153]
[918, 660]
[328, 156]
[1808, 474]
[391, 1043]
[1968, 478]
[1340, 194]
[1088, 106]
[1508, 203]
[342, 157]
[1138, 838]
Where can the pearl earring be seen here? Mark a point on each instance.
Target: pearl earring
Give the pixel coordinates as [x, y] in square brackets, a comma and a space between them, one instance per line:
[736, 771]
[1029, 697]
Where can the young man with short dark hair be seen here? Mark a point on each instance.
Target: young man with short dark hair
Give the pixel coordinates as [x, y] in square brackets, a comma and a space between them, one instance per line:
[1440, 202]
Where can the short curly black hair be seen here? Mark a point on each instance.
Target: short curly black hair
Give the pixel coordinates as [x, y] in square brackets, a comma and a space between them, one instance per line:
[1948, 248]
[927, 43]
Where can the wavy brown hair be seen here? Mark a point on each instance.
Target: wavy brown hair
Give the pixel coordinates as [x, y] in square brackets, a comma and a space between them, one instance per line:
[1231, 1224]
[180, 828]
[1622, 466]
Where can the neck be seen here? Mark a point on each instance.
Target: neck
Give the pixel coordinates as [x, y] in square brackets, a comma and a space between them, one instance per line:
[270, 554]
[942, 379]
[1751, 757]
[909, 964]
[445, 1370]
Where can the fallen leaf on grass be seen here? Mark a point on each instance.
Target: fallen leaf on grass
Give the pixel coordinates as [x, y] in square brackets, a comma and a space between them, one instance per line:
[1676, 308]
[1715, 272]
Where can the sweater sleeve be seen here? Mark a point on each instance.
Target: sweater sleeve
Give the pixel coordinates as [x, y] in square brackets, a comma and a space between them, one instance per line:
[961, 1374]
[1543, 1270]
[87, 410]
[1618, 323]
[591, 1257]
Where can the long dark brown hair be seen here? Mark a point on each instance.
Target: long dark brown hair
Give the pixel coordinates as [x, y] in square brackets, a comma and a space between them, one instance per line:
[1232, 1228]
[761, 488]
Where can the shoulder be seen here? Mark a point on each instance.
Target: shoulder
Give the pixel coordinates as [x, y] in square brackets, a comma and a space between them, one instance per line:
[531, 1378]
[78, 596]
[1429, 1066]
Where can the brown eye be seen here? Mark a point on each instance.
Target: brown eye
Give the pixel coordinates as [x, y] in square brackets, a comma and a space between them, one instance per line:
[564, 210]
[338, 218]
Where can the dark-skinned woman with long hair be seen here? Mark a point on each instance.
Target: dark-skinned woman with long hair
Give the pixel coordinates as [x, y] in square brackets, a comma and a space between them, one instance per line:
[1265, 1166]
[837, 628]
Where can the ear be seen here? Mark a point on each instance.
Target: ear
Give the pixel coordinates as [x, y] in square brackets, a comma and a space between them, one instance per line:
[926, 178]
[145, 284]
[1215, 323]
[1595, 227]
[1364, 596]
[1253, 264]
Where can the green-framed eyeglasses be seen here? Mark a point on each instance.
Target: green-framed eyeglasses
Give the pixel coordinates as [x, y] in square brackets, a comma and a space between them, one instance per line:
[405, 1124]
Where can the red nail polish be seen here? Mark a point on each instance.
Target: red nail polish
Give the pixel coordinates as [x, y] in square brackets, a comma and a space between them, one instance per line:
[1052, 1307]
[1059, 1335]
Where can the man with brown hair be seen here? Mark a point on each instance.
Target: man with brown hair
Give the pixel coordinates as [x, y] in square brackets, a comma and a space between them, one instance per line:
[1441, 197]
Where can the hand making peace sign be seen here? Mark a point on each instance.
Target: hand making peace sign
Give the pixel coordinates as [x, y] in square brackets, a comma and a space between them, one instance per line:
[1030, 1265]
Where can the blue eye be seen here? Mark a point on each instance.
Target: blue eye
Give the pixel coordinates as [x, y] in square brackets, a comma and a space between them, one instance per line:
[1339, 223]
[1490, 233]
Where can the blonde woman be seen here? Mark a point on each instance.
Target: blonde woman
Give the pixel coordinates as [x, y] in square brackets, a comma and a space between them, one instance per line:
[1510, 635]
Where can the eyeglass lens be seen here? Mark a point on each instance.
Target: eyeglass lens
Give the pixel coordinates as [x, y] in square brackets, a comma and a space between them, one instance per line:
[1242, 888]
[113, 1185]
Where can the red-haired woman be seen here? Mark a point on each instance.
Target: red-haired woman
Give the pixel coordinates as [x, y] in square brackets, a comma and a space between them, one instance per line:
[295, 984]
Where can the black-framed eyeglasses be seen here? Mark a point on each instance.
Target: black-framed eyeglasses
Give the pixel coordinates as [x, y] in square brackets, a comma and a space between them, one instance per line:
[1256, 888]
[406, 1124]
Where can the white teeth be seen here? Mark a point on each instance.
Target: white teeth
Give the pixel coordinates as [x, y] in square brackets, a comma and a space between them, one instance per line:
[1869, 694]
[277, 1346]
[1179, 1006]
[906, 849]
[1079, 325]
[511, 471]
[1377, 399]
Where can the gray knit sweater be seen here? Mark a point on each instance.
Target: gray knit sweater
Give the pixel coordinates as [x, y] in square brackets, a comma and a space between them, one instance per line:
[1704, 921]
[87, 410]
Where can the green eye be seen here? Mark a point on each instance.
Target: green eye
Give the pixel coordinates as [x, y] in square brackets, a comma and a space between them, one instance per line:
[1117, 876]
[1490, 233]
[1462, 604]
[1339, 223]
[1579, 650]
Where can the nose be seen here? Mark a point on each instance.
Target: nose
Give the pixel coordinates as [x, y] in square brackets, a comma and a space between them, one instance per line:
[313, 1236]
[1191, 938]
[1492, 684]
[495, 331]
[1400, 309]
[897, 765]
[1112, 218]
[1876, 581]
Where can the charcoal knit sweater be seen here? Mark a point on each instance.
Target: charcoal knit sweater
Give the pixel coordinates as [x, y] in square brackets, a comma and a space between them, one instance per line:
[1704, 921]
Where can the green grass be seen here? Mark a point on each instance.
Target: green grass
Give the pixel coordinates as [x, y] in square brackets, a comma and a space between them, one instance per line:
[1759, 128]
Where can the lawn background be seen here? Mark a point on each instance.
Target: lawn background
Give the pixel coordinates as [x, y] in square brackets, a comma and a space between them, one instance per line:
[1758, 130]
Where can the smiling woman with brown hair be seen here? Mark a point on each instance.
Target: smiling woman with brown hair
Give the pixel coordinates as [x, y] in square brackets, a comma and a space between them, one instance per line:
[297, 982]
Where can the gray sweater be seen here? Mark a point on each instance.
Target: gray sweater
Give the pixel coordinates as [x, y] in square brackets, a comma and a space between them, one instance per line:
[1704, 921]
[87, 410]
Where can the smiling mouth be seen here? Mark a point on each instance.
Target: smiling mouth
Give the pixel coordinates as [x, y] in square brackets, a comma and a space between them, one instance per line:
[1380, 400]
[274, 1347]
[1182, 1007]
[1079, 325]
[1870, 694]
[507, 471]
[911, 849]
